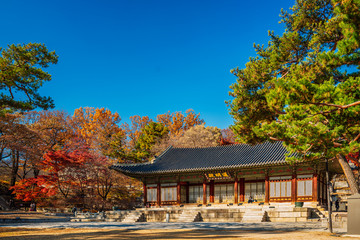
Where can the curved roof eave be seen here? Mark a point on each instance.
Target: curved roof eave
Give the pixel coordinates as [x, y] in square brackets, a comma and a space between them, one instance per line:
[193, 170]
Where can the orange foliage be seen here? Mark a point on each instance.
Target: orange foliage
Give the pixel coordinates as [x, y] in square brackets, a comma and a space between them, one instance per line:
[54, 127]
[90, 120]
[135, 130]
[98, 126]
[178, 122]
[34, 189]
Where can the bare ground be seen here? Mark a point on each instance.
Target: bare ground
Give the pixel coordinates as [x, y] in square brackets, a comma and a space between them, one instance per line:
[123, 234]
[26, 215]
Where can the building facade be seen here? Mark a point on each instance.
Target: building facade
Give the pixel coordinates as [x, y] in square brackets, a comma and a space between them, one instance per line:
[232, 174]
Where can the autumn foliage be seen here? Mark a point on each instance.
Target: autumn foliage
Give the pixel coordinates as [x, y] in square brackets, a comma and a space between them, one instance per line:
[72, 174]
[35, 189]
[67, 158]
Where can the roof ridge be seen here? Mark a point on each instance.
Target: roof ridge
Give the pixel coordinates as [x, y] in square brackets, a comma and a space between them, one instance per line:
[131, 164]
[220, 146]
[163, 153]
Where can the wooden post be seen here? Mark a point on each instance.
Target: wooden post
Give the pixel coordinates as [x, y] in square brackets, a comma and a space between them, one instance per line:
[236, 192]
[204, 192]
[294, 188]
[145, 194]
[324, 191]
[212, 191]
[315, 187]
[187, 192]
[178, 193]
[267, 189]
[242, 189]
[159, 194]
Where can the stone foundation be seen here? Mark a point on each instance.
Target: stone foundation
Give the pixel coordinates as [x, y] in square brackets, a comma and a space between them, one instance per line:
[216, 213]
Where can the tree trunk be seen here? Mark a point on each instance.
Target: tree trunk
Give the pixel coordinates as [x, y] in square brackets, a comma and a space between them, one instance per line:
[14, 167]
[350, 177]
[36, 172]
[328, 196]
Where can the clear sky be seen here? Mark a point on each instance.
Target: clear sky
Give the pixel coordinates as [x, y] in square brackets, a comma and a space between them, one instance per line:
[143, 57]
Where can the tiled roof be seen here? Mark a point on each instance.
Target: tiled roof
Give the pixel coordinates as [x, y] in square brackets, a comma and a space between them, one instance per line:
[175, 160]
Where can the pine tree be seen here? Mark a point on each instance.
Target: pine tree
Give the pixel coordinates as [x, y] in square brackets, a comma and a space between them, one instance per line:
[304, 87]
[22, 74]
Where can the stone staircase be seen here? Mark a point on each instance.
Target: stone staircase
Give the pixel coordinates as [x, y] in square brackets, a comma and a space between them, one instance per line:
[254, 215]
[115, 216]
[134, 216]
[190, 216]
[228, 214]
[88, 217]
[318, 214]
[322, 212]
[248, 213]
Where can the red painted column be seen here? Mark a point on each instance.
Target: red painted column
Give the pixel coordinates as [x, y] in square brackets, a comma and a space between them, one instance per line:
[187, 192]
[145, 194]
[178, 193]
[236, 192]
[315, 187]
[212, 191]
[242, 189]
[158, 194]
[204, 192]
[293, 188]
[267, 189]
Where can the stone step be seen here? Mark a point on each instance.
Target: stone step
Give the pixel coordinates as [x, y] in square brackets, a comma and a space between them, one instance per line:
[189, 216]
[313, 220]
[254, 213]
[254, 216]
[133, 217]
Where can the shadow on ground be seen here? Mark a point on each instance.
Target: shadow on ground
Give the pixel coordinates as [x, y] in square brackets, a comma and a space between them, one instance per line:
[82, 234]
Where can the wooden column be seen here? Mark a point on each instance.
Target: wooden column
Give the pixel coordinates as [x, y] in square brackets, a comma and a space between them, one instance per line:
[315, 187]
[204, 192]
[212, 191]
[242, 189]
[178, 193]
[158, 203]
[294, 188]
[323, 190]
[187, 192]
[267, 189]
[145, 194]
[236, 192]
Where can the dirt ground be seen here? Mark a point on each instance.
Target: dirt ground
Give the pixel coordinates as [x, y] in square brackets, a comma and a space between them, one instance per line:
[26, 215]
[123, 234]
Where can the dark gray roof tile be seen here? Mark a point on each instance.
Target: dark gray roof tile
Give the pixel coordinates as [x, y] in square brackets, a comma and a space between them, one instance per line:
[211, 158]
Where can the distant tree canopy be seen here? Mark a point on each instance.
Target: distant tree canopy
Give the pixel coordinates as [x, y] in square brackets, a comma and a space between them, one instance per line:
[200, 136]
[22, 74]
[146, 138]
[178, 122]
[304, 87]
[54, 158]
[151, 134]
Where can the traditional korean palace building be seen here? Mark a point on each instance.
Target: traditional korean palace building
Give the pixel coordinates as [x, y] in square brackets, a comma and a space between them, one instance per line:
[227, 174]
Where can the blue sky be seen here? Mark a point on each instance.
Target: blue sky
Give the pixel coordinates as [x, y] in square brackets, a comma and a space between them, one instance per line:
[143, 57]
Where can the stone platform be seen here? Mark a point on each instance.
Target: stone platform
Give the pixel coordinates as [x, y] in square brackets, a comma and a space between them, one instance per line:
[246, 213]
